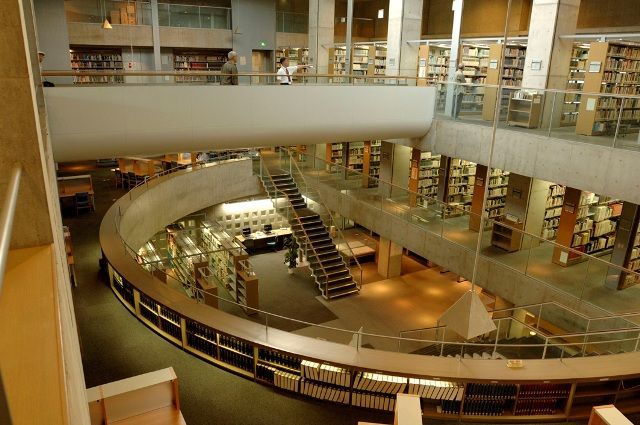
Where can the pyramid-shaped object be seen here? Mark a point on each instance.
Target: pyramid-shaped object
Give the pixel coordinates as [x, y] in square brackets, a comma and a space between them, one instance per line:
[468, 317]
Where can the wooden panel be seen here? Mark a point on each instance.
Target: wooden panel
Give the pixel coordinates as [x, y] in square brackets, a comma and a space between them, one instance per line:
[592, 84]
[32, 369]
[608, 13]
[568, 216]
[493, 77]
[478, 197]
[414, 175]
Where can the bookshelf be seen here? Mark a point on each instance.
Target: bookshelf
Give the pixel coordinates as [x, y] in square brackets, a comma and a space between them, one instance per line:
[626, 250]
[209, 60]
[552, 210]
[423, 174]
[475, 58]
[612, 68]
[380, 61]
[366, 60]
[456, 182]
[229, 264]
[587, 224]
[439, 398]
[334, 154]
[510, 74]
[575, 81]
[96, 60]
[524, 109]
[505, 234]
[498, 181]
[355, 160]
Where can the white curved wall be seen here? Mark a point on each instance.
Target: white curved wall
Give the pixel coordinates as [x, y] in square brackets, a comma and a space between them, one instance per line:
[112, 121]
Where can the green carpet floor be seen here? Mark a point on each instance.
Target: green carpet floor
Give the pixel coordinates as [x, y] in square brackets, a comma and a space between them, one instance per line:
[115, 345]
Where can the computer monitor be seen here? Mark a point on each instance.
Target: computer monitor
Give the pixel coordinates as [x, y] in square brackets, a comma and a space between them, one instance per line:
[268, 228]
[246, 231]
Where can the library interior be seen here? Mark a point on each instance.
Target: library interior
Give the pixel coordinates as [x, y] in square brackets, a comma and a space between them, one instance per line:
[437, 221]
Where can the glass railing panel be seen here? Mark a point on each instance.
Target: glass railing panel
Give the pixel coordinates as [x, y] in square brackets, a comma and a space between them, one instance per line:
[215, 18]
[456, 227]
[292, 22]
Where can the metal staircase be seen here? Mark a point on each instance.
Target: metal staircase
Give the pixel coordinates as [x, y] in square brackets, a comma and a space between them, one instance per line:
[331, 273]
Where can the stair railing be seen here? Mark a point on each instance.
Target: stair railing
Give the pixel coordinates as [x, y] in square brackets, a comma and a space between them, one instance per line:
[291, 212]
[343, 248]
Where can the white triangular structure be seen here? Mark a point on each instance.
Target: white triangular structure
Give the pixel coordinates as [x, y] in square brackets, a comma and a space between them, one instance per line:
[468, 317]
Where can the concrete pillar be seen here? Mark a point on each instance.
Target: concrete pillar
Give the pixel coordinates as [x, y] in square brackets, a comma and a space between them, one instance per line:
[548, 56]
[53, 37]
[405, 23]
[254, 28]
[155, 28]
[389, 259]
[321, 20]
[457, 6]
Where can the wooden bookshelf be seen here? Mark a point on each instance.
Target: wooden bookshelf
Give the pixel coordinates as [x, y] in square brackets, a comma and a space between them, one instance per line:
[524, 109]
[96, 60]
[510, 73]
[475, 58]
[204, 60]
[575, 81]
[587, 224]
[380, 61]
[423, 175]
[626, 251]
[505, 234]
[553, 208]
[335, 154]
[366, 60]
[497, 181]
[456, 180]
[612, 67]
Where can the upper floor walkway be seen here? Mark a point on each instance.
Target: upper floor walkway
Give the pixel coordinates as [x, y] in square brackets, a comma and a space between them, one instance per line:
[143, 113]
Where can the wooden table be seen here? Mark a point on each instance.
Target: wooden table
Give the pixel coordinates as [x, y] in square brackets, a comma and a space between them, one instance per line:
[259, 240]
[69, 186]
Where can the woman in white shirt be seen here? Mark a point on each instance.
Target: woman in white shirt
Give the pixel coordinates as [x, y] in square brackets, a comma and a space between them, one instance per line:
[285, 71]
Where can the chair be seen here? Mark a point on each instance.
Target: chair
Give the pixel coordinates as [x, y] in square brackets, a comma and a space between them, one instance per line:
[119, 179]
[131, 179]
[83, 201]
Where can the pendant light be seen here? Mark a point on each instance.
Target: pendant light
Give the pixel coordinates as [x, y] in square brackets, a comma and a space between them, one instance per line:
[106, 25]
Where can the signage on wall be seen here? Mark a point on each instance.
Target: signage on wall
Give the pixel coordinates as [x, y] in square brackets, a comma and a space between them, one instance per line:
[594, 66]
[536, 65]
[493, 64]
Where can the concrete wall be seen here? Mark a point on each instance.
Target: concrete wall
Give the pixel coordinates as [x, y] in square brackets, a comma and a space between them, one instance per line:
[254, 28]
[106, 122]
[53, 39]
[591, 167]
[291, 39]
[169, 200]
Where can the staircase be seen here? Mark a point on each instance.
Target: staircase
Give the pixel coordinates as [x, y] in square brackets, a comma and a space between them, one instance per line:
[329, 270]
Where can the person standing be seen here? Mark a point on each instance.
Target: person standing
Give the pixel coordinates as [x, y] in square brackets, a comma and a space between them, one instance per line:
[285, 71]
[460, 90]
[229, 70]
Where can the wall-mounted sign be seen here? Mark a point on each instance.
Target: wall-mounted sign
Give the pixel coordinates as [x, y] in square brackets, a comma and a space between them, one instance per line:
[594, 66]
[493, 64]
[536, 65]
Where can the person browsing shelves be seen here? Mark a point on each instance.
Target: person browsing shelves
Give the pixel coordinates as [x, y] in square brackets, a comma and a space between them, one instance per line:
[285, 71]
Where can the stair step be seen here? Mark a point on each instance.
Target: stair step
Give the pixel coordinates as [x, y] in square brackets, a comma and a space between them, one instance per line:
[312, 232]
[333, 275]
[338, 280]
[342, 291]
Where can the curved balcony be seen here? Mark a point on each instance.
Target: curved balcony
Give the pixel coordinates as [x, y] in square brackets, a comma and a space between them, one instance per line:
[133, 219]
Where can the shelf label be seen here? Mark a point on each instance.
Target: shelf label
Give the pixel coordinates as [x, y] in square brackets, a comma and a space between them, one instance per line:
[594, 66]
[591, 104]
[493, 64]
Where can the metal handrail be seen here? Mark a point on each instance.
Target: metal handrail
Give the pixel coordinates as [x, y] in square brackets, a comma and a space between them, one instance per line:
[6, 218]
[308, 243]
[353, 256]
[470, 213]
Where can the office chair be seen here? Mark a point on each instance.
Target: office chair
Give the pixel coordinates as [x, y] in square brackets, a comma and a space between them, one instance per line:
[82, 201]
[119, 179]
[246, 232]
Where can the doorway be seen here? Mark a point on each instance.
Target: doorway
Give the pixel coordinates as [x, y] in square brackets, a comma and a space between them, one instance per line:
[261, 61]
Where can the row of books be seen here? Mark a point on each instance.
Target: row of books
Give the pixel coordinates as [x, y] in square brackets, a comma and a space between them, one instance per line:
[324, 392]
[285, 380]
[325, 373]
[499, 191]
[435, 390]
[619, 64]
[462, 180]
[536, 407]
[379, 383]
[373, 401]
[275, 357]
[626, 51]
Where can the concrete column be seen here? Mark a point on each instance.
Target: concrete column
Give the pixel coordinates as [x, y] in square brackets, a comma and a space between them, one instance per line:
[155, 28]
[389, 259]
[254, 28]
[405, 23]
[53, 37]
[321, 20]
[457, 7]
[550, 19]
